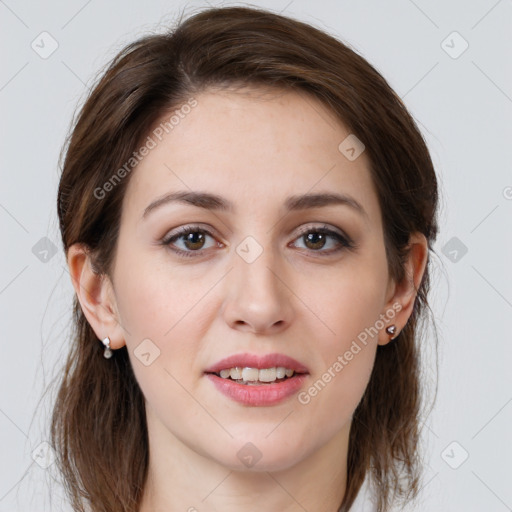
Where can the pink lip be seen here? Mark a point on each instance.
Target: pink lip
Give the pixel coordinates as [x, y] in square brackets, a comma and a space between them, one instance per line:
[255, 361]
[259, 395]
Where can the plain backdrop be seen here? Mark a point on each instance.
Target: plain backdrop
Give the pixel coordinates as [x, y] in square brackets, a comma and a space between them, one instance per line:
[451, 64]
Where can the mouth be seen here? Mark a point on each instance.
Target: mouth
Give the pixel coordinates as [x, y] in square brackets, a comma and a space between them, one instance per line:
[258, 381]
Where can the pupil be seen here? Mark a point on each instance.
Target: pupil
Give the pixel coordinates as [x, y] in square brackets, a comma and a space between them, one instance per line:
[192, 239]
[317, 239]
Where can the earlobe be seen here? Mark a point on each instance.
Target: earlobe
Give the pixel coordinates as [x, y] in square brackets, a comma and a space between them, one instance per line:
[405, 292]
[96, 296]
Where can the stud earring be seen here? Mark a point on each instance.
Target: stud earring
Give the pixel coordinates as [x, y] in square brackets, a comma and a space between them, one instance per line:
[391, 330]
[108, 352]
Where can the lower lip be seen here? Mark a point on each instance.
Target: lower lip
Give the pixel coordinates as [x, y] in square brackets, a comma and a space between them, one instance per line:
[259, 395]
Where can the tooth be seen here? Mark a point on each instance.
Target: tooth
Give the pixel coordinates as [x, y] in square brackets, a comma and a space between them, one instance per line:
[235, 373]
[267, 375]
[254, 374]
[250, 374]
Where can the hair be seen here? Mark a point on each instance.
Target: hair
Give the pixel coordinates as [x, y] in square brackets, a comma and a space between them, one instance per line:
[98, 423]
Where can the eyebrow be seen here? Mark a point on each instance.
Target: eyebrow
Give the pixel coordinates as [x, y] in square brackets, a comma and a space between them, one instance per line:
[293, 203]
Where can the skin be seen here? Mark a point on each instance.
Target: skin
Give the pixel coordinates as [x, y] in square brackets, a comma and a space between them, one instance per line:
[255, 149]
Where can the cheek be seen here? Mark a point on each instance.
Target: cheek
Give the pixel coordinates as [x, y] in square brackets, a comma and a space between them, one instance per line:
[159, 312]
[349, 308]
[164, 314]
[155, 299]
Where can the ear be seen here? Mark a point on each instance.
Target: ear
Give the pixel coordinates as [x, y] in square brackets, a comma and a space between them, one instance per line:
[401, 296]
[96, 296]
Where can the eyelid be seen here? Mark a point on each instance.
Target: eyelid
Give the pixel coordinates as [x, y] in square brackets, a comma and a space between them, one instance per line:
[306, 228]
[190, 227]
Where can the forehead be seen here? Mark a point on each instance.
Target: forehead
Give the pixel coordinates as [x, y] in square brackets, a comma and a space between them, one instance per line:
[253, 146]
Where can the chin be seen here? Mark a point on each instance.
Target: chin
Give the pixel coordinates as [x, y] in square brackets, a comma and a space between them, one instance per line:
[259, 453]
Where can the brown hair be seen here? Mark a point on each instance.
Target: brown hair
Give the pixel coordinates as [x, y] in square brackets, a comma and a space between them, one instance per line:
[98, 426]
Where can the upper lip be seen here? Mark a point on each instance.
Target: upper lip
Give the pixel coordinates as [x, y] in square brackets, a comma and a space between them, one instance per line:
[257, 361]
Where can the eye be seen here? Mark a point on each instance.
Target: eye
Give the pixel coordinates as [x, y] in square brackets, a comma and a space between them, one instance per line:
[324, 240]
[189, 240]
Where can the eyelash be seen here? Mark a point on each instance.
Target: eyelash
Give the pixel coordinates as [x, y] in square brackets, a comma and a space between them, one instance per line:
[344, 242]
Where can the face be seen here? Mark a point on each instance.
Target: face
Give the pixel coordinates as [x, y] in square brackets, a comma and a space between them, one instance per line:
[259, 270]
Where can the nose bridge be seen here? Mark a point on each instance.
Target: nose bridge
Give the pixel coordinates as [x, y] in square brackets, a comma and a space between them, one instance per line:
[255, 264]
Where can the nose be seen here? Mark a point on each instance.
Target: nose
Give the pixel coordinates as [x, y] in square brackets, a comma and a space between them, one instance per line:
[258, 299]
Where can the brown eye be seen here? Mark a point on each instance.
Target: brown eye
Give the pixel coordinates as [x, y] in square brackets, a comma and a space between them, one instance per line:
[194, 240]
[315, 240]
[190, 241]
[324, 240]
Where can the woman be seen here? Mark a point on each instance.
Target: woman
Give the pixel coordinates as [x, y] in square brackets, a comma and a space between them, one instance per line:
[247, 211]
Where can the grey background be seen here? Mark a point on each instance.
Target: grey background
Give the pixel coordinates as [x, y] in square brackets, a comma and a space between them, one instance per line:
[463, 103]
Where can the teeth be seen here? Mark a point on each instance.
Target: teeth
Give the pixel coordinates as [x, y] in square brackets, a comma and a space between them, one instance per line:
[225, 373]
[254, 374]
[235, 373]
[250, 374]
